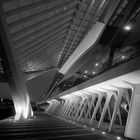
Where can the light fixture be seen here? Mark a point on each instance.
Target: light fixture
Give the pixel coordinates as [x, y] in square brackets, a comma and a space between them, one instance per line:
[103, 133]
[96, 64]
[85, 126]
[93, 129]
[93, 72]
[123, 57]
[86, 71]
[118, 138]
[127, 27]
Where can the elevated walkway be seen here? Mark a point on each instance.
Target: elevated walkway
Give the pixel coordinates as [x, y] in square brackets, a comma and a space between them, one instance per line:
[46, 127]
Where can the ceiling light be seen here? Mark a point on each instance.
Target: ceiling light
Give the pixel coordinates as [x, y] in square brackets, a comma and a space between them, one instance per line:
[118, 138]
[123, 57]
[93, 72]
[93, 129]
[103, 133]
[127, 27]
[96, 64]
[86, 71]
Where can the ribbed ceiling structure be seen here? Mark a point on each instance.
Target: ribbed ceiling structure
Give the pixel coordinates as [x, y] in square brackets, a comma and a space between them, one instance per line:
[44, 33]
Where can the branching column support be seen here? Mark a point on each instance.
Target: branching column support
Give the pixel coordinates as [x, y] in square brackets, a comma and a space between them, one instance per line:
[120, 91]
[16, 79]
[69, 107]
[71, 110]
[94, 95]
[80, 107]
[61, 107]
[54, 106]
[84, 106]
[110, 93]
[57, 106]
[77, 103]
[64, 107]
[101, 94]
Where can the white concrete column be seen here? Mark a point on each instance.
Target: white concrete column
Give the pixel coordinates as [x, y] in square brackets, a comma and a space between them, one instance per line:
[50, 105]
[85, 104]
[55, 105]
[65, 107]
[120, 91]
[76, 106]
[101, 94]
[59, 107]
[94, 95]
[12, 69]
[133, 120]
[70, 113]
[69, 107]
[106, 105]
[80, 107]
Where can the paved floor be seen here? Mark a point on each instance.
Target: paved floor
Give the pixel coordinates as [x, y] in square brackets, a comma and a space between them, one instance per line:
[116, 129]
[46, 127]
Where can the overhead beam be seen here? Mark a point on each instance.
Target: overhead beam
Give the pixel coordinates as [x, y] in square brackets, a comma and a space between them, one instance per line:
[40, 57]
[43, 58]
[38, 36]
[33, 74]
[43, 44]
[44, 23]
[88, 41]
[57, 9]
[41, 50]
[48, 3]
[42, 30]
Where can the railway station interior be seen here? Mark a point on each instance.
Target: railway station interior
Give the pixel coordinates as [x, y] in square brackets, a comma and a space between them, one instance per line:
[70, 69]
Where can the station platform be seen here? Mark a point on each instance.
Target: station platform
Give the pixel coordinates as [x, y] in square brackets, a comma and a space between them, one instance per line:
[45, 127]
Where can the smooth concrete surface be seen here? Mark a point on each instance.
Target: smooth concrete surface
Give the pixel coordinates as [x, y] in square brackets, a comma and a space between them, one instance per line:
[45, 127]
